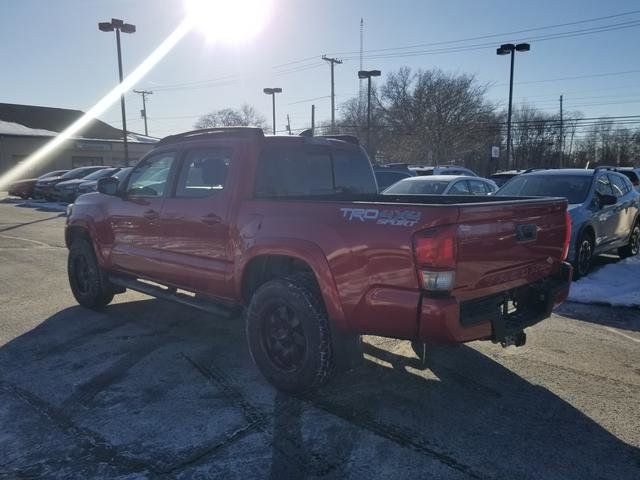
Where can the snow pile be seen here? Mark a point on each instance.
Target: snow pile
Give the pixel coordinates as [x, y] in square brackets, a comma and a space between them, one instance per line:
[616, 284]
[11, 128]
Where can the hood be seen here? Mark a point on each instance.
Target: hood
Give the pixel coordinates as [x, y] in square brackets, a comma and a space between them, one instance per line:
[573, 206]
[26, 180]
[75, 181]
[48, 181]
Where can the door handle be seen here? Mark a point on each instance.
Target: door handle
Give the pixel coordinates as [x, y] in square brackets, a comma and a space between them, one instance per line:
[211, 219]
[151, 214]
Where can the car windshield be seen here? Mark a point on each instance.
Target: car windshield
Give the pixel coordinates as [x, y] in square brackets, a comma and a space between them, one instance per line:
[122, 173]
[574, 188]
[417, 187]
[77, 173]
[105, 172]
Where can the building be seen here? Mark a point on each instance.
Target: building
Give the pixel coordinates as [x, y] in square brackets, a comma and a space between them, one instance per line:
[26, 128]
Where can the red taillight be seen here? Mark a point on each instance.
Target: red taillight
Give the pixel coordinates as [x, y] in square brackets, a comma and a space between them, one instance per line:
[436, 248]
[567, 235]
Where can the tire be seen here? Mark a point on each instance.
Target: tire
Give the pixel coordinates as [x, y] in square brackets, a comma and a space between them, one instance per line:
[584, 256]
[289, 334]
[89, 282]
[633, 247]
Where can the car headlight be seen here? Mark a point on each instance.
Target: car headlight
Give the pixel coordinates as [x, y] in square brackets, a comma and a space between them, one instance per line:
[69, 210]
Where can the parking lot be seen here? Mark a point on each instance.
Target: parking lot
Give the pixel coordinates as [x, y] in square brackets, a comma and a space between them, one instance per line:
[148, 389]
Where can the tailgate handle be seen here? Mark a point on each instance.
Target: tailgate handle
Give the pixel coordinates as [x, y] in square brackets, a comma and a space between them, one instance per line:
[527, 232]
[151, 214]
[211, 219]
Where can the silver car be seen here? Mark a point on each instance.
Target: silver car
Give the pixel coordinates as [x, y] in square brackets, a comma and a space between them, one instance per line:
[442, 185]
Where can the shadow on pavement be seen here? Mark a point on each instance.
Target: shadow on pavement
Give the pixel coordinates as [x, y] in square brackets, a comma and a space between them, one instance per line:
[618, 317]
[148, 388]
[12, 227]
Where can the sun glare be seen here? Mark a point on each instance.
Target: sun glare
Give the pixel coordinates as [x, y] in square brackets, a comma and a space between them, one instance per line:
[228, 21]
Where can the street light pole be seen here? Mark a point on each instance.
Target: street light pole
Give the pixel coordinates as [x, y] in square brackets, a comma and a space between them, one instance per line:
[272, 92]
[368, 74]
[510, 49]
[117, 25]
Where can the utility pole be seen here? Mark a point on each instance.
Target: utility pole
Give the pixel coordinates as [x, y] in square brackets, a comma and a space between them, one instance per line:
[313, 120]
[288, 124]
[561, 136]
[332, 62]
[143, 112]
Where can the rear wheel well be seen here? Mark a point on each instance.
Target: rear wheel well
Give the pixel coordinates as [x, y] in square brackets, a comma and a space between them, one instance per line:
[588, 230]
[263, 268]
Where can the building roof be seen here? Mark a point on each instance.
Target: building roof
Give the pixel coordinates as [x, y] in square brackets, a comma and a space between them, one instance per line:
[55, 120]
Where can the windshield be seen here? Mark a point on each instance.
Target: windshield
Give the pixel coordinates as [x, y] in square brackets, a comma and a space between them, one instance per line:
[417, 187]
[122, 173]
[77, 173]
[105, 172]
[574, 188]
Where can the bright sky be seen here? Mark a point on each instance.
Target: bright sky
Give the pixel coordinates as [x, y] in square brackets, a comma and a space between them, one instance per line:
[54, 55]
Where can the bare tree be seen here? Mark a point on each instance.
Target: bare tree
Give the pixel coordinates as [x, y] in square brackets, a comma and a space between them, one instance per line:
[244, 116]
[428, 117]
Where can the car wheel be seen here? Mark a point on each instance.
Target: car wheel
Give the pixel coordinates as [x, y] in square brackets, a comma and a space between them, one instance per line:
[584, 256]
[288, 334]
[633, 247]
[89, 282]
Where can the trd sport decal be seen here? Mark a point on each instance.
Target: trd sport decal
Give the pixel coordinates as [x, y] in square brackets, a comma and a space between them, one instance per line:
[400, 218]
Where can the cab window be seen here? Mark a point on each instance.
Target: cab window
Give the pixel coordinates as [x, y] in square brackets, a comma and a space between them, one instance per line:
[203, 172]
[149, 177]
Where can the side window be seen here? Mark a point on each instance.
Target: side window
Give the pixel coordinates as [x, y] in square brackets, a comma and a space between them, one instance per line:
[619, 185]
[203, 172]
[603, 186]
[459, 188]
[477, 187]
[149, 177]
[297, 172]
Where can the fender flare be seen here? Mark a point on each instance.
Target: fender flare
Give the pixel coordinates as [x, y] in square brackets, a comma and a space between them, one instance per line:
[305, 251]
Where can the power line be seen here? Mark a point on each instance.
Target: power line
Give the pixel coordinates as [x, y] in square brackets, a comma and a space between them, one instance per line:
[494, 35]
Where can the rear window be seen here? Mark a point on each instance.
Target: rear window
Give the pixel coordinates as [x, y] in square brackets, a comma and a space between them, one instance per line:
[314, 172]
[418, 187]
[574, 188]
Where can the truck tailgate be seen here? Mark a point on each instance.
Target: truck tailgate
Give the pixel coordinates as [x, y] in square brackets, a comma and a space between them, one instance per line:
[503, 246]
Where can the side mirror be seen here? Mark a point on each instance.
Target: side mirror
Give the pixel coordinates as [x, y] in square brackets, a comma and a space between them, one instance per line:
[605, 200]
[108, 185]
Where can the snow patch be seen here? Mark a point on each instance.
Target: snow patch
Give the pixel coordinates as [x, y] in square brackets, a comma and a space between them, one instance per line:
[616, 284]
[11, 128]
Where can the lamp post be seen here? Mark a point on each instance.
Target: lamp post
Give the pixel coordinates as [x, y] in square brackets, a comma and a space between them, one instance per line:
[368, 74]
[272, 92]
[511, 49]
[118, 26]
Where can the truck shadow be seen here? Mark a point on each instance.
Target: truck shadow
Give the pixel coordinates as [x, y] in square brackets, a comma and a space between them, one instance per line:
[154, 389]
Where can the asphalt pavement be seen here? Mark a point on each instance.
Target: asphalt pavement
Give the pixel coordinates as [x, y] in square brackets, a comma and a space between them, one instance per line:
[148, 389]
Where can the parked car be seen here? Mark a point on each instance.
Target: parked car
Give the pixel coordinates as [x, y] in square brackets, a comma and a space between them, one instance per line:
[603, 206]
[88, 186]
[503, 177]
[387, 175]
[67, 191]
[24, 188]
[442, 185]
[633, 173]
[44, 187]
[293, 230]
[442, 170]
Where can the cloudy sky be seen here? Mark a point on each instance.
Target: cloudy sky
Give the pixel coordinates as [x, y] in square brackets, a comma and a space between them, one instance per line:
[54, 55]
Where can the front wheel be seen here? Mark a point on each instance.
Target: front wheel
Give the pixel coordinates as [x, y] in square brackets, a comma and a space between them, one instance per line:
[89, 283]
[288, 334]
[633, 247]
[584, 256]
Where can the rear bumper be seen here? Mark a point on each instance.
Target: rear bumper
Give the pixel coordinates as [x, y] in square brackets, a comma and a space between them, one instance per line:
[445, 320]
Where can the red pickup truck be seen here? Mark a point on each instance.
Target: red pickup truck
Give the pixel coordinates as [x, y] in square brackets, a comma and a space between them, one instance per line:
[292, 231]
